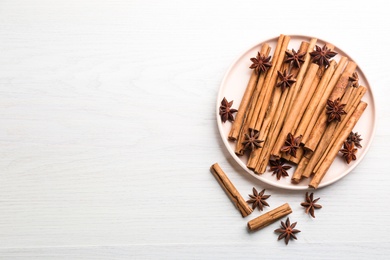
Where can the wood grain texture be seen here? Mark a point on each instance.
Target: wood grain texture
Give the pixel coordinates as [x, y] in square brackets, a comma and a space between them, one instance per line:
[107, 131]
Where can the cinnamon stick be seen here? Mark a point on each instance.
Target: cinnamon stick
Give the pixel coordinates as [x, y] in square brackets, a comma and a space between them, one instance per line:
[230, 190]
[253, 107]
[269, 217]
[316, 180]
[275, 101]
[292, 116]
[243, 109]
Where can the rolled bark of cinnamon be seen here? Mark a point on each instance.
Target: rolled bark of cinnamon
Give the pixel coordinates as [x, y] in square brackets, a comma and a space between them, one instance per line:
[295, 110]
[247, 98]
[230, 190]
[253, 107]
[269, 217]
[253, 158]
[280, 116]
[317, 178]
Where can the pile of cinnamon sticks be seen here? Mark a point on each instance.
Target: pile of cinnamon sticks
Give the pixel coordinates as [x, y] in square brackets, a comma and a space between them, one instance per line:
[298, 111]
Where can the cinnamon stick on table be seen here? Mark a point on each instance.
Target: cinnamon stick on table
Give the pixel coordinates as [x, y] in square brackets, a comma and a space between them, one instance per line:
[230, 190]
[269, 217]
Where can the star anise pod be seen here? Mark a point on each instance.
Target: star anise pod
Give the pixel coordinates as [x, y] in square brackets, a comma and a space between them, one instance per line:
[354, 80]
[287, 231]
[260, 63]
[322, 55]
[225, 110]
[295, 58]
[310, 204]
[335, 110]
[355, 139]
[258, 199]
[286, 80]
[252, 141]
[349, 152]
[278, 168]
[291, 145]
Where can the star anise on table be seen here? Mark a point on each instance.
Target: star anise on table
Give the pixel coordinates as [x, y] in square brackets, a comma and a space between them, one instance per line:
[286, 80]
[322, 55]
[258, 199]
[291, 145]
[225, 110]
[349, 152]
[287, 231]
[295, 57]
[252, 141]
[355, 139]
[335, 110]
[354, 80]
[278, 168]
[260, 63]
[310, 204]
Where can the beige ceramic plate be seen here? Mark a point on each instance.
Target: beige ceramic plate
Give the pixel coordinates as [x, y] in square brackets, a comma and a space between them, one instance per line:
[233, 87]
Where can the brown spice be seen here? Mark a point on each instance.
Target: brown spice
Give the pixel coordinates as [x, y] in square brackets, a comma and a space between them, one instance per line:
[355, 139]
[287, 231]
[251, 140]
[286, 80]
[322, 55]
[258, 199]
[260, 63]
[354, 80]
[225, 110]
[278, 168]
[349, 152]
[335, 110]
[291, 145]
[295, 57]
[310, 204]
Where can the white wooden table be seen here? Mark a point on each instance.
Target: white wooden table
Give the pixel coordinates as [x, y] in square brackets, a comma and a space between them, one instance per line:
[108, 130]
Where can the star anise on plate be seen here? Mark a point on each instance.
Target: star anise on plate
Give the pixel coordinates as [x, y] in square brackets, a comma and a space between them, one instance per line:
[335, 110]
[278, 168]
[225, 110]
[310, 204]
[252, 141]
[322, 55]
[295, 57]
[258, 199]
[355, 139]
[286, 80]
[354, 80]
[349, 152]
[260, 63]
[291, 145]
[287, 231]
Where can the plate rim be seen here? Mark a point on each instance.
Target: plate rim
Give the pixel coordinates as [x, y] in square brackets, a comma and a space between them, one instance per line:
[258, 176]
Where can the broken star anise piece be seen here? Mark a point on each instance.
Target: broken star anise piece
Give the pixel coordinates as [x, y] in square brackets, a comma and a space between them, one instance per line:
[260, 63]
[291, 145]
[287, 231]
[335, 110]
[252, 141]
[355, 139]
[295, 57]
[349, 152]
[310, 204]
[286, 80]
[322, 55]
[278, 168]
[258, 199]
[354, 80]
[225, 110]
